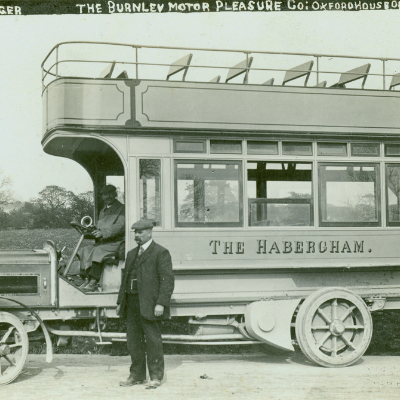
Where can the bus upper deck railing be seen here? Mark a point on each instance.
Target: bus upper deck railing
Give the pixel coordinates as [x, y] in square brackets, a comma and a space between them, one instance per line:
[83, 59]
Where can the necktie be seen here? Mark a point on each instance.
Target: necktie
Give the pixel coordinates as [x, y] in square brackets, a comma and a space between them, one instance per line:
[141, 250]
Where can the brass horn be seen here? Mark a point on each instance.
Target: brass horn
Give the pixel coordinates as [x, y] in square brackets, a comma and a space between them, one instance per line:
[86, 221]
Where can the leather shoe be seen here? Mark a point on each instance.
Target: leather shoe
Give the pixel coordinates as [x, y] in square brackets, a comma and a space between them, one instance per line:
[91, 286]
[131, 381]
[154, 384]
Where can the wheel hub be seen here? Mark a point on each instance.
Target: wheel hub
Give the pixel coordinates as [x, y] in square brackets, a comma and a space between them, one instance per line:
[337, 327]
[4, 350]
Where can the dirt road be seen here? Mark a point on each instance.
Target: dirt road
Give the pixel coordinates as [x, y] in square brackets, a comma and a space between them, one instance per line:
[256, 376]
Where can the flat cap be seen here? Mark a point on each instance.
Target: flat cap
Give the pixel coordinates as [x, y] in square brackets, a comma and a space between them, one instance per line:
[108, 189]
[143, 224]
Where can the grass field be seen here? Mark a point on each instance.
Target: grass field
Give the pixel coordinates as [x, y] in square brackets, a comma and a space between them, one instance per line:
[385, 340]
[34, 239]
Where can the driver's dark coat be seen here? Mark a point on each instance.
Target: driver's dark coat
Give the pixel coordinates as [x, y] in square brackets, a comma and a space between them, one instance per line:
[111, 222]
[155, 281]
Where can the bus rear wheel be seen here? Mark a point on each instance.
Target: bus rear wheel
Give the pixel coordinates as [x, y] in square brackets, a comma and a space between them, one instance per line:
[333, 327]
[14, 345]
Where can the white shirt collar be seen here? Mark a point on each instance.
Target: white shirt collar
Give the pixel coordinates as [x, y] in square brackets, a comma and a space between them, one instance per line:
[147, 244]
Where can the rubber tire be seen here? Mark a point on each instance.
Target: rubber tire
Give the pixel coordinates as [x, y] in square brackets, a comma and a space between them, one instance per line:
[304, 321]
[15, 371]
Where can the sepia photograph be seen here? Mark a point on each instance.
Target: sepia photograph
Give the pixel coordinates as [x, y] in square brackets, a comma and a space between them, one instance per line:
[200, 200]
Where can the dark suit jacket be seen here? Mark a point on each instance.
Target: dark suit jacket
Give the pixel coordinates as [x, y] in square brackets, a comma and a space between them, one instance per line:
[155, 281]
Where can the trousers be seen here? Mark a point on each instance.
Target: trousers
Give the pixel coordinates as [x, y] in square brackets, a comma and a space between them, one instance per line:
[143, 339]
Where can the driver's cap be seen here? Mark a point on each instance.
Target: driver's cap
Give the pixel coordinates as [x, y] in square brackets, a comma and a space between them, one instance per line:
[143, 224]
[108, 189]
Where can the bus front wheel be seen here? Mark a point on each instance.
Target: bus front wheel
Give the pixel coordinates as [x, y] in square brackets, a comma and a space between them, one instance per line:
[333, 327]
[13, 347]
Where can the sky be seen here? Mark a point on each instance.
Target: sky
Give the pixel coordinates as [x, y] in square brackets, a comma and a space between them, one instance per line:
[26, 40]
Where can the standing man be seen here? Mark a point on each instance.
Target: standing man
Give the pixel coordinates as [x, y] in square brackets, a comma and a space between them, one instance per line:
[143, 300]
[109, 233]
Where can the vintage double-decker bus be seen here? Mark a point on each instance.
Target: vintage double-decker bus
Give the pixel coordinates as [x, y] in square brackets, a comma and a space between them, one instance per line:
[272, 178]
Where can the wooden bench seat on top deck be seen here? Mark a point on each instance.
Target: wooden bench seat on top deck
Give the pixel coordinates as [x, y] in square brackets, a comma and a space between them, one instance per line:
[353, 75]
[298, 72]
[395, 81]
[180, 65]
[321, 84]
[107, 72]
[241, 68]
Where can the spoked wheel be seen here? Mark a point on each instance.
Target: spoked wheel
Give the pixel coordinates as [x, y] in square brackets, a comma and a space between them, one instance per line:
[334, 327]
[14, 345]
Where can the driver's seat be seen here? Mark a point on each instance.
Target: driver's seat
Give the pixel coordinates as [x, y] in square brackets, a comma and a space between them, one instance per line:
[111, 277]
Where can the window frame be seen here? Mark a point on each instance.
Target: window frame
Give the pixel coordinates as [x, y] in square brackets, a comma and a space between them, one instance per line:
[333, 144]
[227, 141]
[310, 201]
[378, 223]
[388, 223]
[160, 224]
[251, 153]
[238, 224]
[202, 141]
[387, 146]
[294, 143]
[371, 144]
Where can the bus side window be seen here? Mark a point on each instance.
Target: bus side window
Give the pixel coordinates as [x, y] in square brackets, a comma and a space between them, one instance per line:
[393, 194]
[208, 193]
[349, 194]
[150, 189]
[279, 193]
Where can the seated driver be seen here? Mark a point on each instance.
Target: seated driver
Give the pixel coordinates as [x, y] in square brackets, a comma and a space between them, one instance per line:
[109, 233]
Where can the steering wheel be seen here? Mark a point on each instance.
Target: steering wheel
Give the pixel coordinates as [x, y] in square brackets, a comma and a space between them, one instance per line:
[84, 230]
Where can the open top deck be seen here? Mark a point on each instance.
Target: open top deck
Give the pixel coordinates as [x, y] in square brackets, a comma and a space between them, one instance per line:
[114, 86]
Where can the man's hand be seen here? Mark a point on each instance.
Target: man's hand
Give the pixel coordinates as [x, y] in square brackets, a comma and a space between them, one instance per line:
[97, 234]
[158, 310]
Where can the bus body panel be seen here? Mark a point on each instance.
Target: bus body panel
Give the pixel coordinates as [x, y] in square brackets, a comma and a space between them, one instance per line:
[25, 276]
[131, 104]
[280, 249]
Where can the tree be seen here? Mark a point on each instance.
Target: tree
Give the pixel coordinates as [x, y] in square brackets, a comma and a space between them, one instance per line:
[4, 219]
[83, 205]
[54, 207]
[6, 195]
[23, 217]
